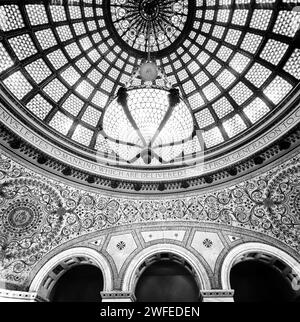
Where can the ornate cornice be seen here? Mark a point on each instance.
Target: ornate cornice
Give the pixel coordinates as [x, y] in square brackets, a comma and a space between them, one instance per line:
[39, 152]
[243, 157]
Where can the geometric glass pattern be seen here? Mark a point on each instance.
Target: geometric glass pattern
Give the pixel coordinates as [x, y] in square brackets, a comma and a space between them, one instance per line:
[167, 20]
[233, 63]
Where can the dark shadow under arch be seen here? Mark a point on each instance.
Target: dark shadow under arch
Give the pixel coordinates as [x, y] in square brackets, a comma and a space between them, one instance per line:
[255, 281]
[167, 281]
[82, 283]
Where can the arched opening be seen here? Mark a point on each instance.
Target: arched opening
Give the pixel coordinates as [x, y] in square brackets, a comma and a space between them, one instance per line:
[81, 283]
[166, 278]
[257, 277]
[50, 273]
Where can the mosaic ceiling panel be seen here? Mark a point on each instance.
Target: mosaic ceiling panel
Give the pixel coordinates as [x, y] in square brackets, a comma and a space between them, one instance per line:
[40, 215]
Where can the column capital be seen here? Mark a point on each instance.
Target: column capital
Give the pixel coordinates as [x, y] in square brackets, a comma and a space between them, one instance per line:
[117, 296]
[217, 295]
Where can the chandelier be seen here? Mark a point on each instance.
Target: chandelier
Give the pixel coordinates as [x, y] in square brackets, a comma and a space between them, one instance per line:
[149, 123]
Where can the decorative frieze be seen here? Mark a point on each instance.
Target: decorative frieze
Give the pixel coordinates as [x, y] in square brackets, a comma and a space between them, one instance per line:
[39, 214]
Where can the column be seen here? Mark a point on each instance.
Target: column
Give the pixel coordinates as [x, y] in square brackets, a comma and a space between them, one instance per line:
[117, 296]
[217, 295]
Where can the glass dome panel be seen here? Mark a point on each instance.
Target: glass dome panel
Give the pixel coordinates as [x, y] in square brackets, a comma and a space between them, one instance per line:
[235, 63]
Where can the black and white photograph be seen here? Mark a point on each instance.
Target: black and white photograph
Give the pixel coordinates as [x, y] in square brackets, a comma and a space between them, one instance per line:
[149, 155]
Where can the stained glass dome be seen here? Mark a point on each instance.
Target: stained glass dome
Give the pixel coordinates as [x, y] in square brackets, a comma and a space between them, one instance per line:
[235, 62]
[167, 19]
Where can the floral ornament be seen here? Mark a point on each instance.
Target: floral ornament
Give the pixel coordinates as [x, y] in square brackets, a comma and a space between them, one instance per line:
[121, 245]
[283, 192]
[179, 209]
[212, 208]
[28, 217]
[147, 210]
[207, 243]
[111, 212]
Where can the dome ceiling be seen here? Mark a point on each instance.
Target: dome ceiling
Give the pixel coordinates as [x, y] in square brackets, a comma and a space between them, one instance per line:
[168, 19]
[235, 62]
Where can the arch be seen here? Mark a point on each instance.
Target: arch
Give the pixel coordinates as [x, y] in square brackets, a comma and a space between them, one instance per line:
[166, 277]
[234, 255]
[130, 275]
[80, 283]
[37, 284]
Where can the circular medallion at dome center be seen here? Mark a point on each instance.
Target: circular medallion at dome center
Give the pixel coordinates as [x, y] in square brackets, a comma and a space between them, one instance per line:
[149, 9]
[151, 25]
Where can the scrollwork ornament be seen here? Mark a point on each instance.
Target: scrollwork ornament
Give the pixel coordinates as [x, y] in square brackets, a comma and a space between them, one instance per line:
[259, 211]
[267, 224]
[71, 219]
[147, 210]
[226, 216]
[179, 209]
[255, 223]
[257, 196]
[100, 222]
[249, 186]
[111, 212]
[87, 201]
[101, 203]
[5, 164]
[213, 213]
[238, 193]
[211, 200]
[19, 267]
[15, 173]
[66, 231]
[241, 215]
[87, 221]
[223, 197]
